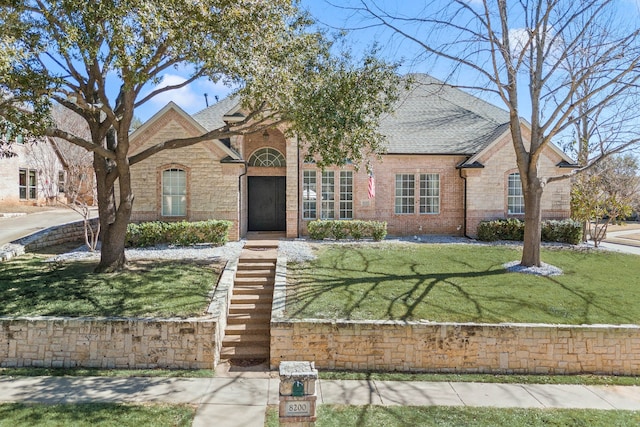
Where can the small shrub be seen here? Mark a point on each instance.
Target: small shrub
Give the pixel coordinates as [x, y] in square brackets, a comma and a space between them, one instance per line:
[318, 230]
[357, 230]
[565, 231]
[341, 229]
[379, 231]
[178, 233]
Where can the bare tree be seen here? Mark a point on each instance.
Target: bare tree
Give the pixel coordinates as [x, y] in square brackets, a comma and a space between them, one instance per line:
[563, 63]
[78, 184]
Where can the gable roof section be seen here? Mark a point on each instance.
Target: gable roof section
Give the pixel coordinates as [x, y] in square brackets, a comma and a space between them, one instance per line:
[501, 131]
[213, 117]
[433, 117]
[171, 106]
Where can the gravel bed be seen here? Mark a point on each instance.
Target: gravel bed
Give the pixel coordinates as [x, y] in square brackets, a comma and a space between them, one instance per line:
[296, 250]
[228, 251]
[544, 270]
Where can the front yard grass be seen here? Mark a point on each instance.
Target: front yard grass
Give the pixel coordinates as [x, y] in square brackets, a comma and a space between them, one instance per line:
[462, 283]
[409, 416]
[95, 414]
[31, 286]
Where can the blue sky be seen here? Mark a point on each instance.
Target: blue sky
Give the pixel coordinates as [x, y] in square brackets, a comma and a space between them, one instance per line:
[392, 48]
[192, 100]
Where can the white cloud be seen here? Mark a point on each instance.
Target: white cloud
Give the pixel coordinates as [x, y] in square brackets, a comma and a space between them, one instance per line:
[519, 39]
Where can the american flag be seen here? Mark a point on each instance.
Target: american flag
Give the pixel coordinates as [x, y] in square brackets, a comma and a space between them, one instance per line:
[372, 187]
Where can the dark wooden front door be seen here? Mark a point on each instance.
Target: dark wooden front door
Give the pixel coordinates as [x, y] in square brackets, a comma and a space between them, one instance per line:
[267, 203]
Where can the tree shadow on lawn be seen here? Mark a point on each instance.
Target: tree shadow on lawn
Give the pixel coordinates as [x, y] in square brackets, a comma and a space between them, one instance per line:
[373, 294]
[33, 287]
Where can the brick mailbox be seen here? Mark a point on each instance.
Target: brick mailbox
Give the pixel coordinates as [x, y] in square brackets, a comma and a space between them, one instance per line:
[298, 394]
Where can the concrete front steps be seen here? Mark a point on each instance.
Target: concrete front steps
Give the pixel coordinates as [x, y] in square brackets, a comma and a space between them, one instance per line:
[247, 336]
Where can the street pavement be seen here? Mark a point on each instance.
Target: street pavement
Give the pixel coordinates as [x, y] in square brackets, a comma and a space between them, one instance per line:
[15, 227]
[621, 241]
[241, 399]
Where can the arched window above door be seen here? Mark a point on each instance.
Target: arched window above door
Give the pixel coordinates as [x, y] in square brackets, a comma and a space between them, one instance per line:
[267, 157]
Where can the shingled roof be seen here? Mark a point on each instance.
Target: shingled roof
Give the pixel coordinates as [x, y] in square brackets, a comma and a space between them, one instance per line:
[431, 117]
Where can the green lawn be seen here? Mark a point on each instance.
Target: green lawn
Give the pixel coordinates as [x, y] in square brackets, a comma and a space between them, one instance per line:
[29, 286]
[585, 379]
[114, 373]
[95, 414]
[423, 416]
[462, 283]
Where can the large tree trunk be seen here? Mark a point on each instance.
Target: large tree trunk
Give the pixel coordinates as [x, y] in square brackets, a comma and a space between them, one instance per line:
[532, 224]
[114, 218]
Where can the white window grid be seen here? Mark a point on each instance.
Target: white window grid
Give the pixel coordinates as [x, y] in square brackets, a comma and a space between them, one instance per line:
[515, 197]
[346, 195]
[309, 195]
[405, 194]
[429, 193]
[327, 207]
[174, 192]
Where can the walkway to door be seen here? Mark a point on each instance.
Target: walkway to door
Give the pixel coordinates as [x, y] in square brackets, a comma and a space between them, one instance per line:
[247, 335]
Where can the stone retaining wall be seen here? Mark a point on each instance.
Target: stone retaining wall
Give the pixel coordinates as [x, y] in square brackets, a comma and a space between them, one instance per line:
[125, 343]
[108, 343]
[450, 347]
[72, 231]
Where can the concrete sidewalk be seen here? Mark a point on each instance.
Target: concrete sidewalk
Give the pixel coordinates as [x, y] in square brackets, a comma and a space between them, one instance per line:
[241, 400]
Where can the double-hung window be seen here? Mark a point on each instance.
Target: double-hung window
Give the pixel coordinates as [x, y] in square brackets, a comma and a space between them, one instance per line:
[405, 194]
[327, 208]
[429, 193]
[174, 192]
[515, 197]
[346, 195]
[309, 195]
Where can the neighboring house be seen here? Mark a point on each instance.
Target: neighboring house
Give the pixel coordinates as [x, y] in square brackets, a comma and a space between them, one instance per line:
[450, 163]
[34, 175]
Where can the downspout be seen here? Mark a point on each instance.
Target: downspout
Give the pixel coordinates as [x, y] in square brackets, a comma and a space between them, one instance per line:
[299, 210]
[464, 205]
[246, 168]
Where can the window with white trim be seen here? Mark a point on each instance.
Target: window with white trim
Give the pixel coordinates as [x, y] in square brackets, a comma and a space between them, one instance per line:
[515, 196]
[174, 192]
[22, 184]
[327, 207]
[405, 194]
[346, 195]
[429, 193]
[309, 195]
[267, 157]
[28, 184]
[61, 181]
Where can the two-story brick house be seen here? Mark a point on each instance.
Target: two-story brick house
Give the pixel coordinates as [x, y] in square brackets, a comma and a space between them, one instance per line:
[449, 164]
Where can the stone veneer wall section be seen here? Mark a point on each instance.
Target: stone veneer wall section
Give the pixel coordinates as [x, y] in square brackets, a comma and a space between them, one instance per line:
[460, 348]
[69, 232]
[59, 342]
[126, 343]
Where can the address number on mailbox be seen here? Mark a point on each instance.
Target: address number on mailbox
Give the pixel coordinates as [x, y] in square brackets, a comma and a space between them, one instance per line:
[297, 409]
